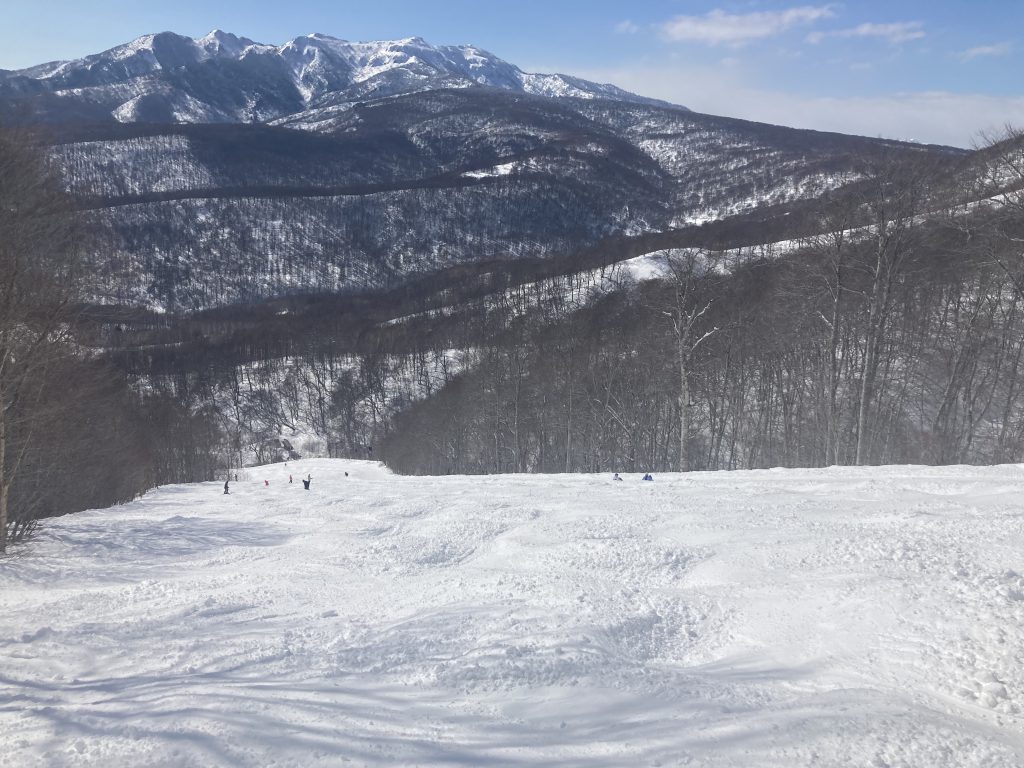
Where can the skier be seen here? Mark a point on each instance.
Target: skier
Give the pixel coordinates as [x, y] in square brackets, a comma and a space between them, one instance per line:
[266, 483]
[307, 481]
[226, 491]
[289, 478]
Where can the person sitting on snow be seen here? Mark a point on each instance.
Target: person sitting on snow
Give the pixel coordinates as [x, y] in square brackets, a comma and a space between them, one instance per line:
[648, 476]
[616, 476]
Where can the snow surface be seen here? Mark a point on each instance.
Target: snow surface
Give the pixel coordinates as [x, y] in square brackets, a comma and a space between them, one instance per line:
[853, 617]
[504, 169]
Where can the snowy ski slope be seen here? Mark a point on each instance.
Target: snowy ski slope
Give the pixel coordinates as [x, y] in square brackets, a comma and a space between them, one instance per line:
[840, 617]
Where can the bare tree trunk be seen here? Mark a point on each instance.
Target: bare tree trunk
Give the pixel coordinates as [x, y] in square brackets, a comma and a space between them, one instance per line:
[4, 482]
[568, 422]
[877, 315]
[684, 405]
[867, 386]
[832, 426]
[1011, 397]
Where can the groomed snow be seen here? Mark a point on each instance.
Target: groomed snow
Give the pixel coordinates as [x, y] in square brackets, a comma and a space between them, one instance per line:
[840, 617]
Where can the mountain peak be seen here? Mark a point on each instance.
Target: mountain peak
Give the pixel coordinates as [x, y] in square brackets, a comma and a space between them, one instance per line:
[220, 42]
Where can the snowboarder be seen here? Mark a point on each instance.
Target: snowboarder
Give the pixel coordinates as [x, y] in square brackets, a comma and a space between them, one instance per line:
[616, 476]
[226, 491]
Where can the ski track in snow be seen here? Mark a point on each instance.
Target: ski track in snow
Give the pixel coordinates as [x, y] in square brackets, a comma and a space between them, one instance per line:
[839, 617]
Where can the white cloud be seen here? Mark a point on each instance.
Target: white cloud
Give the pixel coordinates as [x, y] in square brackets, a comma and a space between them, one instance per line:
[720, 28]
[897, 32]
[999, 49]
[935, 117]
[627, 27]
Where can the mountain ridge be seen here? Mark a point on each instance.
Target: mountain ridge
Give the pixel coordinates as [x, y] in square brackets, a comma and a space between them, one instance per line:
[221, 77]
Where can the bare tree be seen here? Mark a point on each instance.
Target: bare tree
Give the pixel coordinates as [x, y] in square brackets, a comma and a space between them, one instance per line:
[1000, 186]
[893, 197]
[833, 246]
[688, 273]
[39, 282]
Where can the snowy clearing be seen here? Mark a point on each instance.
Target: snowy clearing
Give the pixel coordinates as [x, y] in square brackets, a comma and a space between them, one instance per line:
[840, 617]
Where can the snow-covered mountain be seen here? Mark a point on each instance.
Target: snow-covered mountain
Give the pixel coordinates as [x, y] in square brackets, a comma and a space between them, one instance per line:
[221, 77]
[223, 171]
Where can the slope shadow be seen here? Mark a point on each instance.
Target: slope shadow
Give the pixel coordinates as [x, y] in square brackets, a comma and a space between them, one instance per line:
[108, 547]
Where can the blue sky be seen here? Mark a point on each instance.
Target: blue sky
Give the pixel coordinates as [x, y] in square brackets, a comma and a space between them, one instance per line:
[928, 71]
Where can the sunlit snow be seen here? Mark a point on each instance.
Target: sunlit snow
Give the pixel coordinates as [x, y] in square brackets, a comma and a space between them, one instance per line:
[837, 617]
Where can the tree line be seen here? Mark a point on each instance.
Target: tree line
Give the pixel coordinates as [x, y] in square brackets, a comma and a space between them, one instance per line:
[74, 432]
[893, 335]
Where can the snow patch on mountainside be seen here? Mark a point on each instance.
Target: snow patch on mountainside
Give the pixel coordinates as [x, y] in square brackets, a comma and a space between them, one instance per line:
[563, 86]
[183, 109]
[504, 169]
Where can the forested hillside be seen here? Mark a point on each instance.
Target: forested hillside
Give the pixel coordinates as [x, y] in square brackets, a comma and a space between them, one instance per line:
[199, 216]
[891, 333]
[74, 431]
[894, 335]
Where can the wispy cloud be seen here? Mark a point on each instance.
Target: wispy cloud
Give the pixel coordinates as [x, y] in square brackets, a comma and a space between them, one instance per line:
[998, 49]
[721, 28]
[938, 117]
[894, 33]
[627, 27]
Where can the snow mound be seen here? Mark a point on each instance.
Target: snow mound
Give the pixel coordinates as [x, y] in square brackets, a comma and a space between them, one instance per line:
[793, 617]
